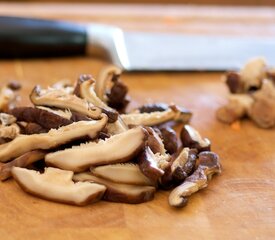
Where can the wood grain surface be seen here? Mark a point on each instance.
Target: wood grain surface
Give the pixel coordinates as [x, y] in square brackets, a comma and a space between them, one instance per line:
[239, 204]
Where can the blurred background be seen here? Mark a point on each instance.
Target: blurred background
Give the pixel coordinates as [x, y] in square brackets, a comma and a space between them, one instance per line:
[202, 2]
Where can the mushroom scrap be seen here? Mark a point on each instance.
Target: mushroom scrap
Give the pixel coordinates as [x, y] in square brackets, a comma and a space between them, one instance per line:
[252, 95]
[77, 144]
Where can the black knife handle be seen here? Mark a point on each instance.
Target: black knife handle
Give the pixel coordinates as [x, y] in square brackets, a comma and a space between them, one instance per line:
[25, 38]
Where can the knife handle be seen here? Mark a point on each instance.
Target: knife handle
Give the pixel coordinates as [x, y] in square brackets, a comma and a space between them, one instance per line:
[25, 37]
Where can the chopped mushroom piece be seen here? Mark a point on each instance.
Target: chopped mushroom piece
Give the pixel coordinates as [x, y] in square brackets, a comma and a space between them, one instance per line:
[126, 173]
[22, 161]
[104, 76]
[85, 89]
[237, 108]
[118, 192]
[117, 97]
[262, 111]
[153, 107]
[54, 138]
[61, 99]
[44, 118]
[153, 165]
[253, 72]
[184, 164]
[191, 138]
[170, 139]
[57, 185]
[155, 118]
[116, 149]
[155, 142]
[208, 164]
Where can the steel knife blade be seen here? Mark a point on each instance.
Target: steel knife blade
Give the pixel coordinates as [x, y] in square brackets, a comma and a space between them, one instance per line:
[132, 51]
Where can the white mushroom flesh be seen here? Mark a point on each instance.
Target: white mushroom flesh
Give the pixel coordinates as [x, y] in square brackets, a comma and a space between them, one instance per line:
[116, 149]
[57, 185]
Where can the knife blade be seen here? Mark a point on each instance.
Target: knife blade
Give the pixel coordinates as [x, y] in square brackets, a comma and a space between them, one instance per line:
[132, 51]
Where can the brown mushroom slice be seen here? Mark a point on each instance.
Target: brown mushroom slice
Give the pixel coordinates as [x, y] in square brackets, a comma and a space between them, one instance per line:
[155, 118]
[153, 165]
[105, 76]
[170, 140]
[118, 192]
[262, 111]
[54, 138]
[9, 132]
[61, 99]
[116, 149]
[208, 164]
[126, 173]
[237, 108]
[22, 161]
[184, 164]
[253, 72]
[191, 138]
[85, 89]
[57, 185]
[155, 142]
[42, 117]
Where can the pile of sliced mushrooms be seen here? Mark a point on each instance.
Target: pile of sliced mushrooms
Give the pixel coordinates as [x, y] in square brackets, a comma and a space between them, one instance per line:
[252, 94]
[77, 145]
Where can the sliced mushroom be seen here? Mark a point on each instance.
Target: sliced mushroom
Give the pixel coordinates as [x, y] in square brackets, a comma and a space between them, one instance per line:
[105, 75]
[253, 72]
[184, 164]
[54, 138]
[169, 138]
[116, 149]
[191, 138]
[85, 89]
[208, 164]
[153, 165]
[126, 173]
[57, 185]
[22, 161]
[234, 82]
[262, 111]
[117, 96]
[59, 98]
[42, 117]
[155, 142]
[237, 108]
[155, 118]
[118, 192]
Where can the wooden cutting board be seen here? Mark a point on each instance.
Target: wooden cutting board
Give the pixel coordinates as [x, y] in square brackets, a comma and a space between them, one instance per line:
[238, 204]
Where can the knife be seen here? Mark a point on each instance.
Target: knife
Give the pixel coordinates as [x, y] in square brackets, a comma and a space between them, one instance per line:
[131, 51]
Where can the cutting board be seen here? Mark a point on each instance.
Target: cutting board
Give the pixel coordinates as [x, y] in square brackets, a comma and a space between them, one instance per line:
[238, 204]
